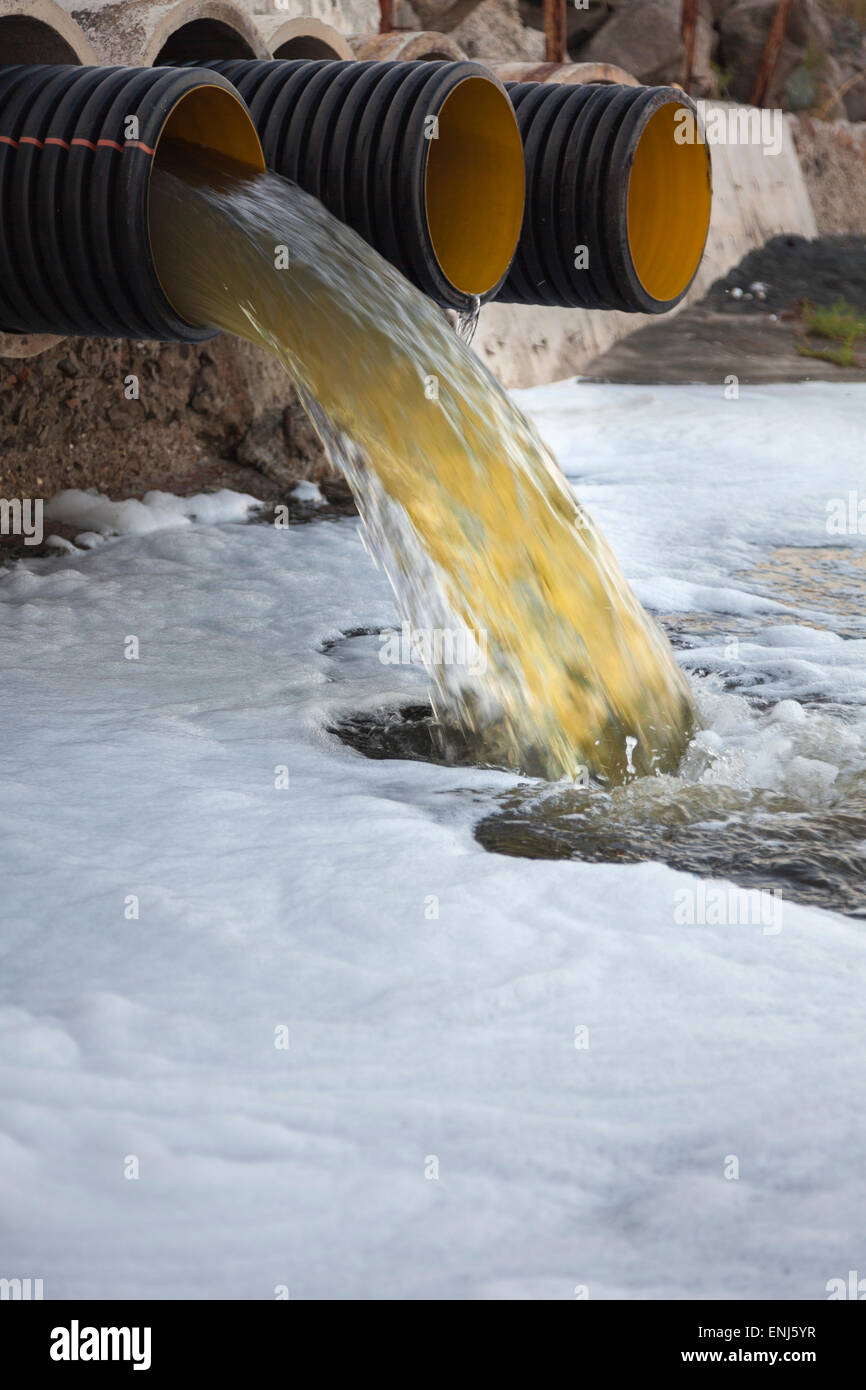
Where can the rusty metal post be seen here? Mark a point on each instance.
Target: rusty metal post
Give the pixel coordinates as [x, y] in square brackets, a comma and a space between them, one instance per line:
[689, 35]
[386, 16]
[775, 39]
[555, 47]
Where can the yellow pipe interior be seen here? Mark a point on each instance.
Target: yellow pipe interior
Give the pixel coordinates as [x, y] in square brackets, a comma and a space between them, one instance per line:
[474, 185]
[217, 121]
[669, 203]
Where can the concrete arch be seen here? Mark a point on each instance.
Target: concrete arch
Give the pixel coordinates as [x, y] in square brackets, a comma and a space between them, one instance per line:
[140, 34]
[41, 32]
[306, 38]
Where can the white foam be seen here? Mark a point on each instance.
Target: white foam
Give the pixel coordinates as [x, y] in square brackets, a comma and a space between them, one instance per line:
[432, 992]
[99, 517]
[309, 492]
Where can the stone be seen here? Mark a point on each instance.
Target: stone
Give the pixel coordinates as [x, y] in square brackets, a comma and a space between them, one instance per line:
[405, 16]
[494, 31]
[855, 97]
[282, 443]
[304, 444]
[644, 37]
[831, 80]
[744, 29]
[264, 446]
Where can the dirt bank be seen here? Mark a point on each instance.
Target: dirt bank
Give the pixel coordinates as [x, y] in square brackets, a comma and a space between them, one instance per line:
[125, 418]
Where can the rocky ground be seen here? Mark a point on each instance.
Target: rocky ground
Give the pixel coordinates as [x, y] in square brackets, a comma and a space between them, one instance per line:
[790, 269]
[219, 414]
[821, 65]
[105, 413]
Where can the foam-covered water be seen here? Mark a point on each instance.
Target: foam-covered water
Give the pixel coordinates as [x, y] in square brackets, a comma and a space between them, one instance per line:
[765, 608]
[582, 1045]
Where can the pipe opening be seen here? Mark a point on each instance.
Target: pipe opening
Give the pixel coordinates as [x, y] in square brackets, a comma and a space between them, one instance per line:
[669, 203]
[474, 186]
[27, 40]
[306, 46]
[217, 122]
[203, 39]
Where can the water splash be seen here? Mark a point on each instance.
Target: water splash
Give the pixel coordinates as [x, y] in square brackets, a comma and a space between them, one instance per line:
[467, 321]
[465, 508]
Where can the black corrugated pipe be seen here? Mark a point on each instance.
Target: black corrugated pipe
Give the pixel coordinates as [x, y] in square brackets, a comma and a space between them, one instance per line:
[77, 146]
[618, 196]
[422, 159]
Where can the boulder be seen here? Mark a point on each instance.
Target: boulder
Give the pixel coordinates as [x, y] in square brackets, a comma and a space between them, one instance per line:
[855, 98]
[494, 30]
[851, 53]
[406, 16]
[830, 81]
[282, 444]
[643, 36]
[744, 29]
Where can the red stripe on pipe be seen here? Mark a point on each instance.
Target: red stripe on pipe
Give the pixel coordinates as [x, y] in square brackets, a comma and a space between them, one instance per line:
[87, 144]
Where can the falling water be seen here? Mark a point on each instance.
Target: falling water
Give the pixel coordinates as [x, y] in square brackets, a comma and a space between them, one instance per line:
[467, 321]
[545, 659]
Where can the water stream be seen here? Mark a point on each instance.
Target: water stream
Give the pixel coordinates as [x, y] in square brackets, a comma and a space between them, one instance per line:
[538, 650]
